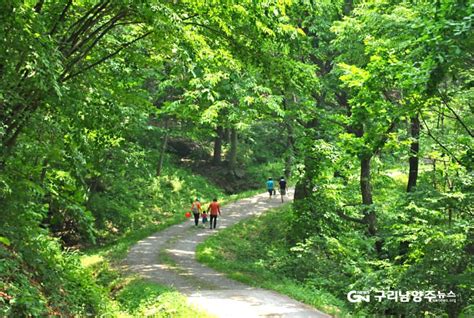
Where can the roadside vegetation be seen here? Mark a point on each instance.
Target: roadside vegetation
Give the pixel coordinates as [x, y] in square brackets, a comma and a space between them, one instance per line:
[256, 252]
[267, 251]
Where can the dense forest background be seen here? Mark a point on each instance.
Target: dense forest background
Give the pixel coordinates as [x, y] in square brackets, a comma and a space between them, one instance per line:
[110, 111]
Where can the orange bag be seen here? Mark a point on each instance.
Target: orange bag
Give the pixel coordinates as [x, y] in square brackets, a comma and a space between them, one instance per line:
[187, 214]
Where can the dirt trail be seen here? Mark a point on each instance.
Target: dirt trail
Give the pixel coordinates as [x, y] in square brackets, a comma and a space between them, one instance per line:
[204, 287]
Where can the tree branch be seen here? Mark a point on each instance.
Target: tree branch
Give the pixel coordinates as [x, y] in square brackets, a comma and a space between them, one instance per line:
[335, 122]
[397, 96]
[61, 17]
[65, 78]
[84, 17]
[128, 23]
[440, 113]
[110, 24]
[210, 29]
[438, 142]
[190, 17]
[75, 43]
[384, 137]
[352, 204]
[9, 139]
[445, 102]
[84, 23]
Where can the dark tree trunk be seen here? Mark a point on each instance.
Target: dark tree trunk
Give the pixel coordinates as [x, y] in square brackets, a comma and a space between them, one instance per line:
[217, 157]
[304, 187]
[163, 149]
[348, 7]
[233, 149]
[366, 191]
[290, 140]
[44, 170]
[414, 150]
[227, 135]
[302, 190]
[365, 186]
[290, 150]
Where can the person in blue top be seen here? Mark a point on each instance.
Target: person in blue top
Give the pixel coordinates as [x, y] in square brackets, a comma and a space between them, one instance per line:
[270, 186]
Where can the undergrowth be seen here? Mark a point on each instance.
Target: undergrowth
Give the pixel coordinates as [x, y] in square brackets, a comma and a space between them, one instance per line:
[254, 251]
[307, 252]
[135, 297]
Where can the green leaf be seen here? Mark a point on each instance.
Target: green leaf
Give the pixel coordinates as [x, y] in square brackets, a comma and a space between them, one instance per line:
[4, 241]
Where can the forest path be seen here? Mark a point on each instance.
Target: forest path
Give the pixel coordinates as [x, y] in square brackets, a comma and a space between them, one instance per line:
[168, 258]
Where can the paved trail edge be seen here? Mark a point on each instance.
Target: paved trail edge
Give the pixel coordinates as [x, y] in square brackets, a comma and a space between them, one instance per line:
[204, 287]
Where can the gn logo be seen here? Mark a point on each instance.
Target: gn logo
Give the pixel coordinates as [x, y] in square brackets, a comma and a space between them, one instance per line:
[355, 296]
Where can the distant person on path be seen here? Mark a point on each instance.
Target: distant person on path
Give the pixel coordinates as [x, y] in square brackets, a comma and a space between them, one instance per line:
[204, 218]
[196, 209]
[215, 209]
[282, 184]
[270, 187]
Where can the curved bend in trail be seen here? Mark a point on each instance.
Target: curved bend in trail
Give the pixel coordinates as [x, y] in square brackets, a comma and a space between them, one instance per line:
[204, 287]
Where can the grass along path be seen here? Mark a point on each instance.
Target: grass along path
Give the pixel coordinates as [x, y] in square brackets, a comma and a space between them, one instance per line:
[130, 295]
[168, 258]
[255, 252]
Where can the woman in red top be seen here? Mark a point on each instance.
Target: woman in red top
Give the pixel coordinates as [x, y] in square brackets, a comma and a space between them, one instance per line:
[215, 208]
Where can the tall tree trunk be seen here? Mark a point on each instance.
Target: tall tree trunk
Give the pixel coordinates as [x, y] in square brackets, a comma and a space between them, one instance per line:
[414, 150]
[365, 184]
[217, 157]
[290, 139]
[227, 135]
[304, 186]
[348, 6]
[289, 150]
[403, 246]
[366, 191]
[233, 149]
[159, 167]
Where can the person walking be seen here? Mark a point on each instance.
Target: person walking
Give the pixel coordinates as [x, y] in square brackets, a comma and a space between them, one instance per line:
[196, 209]
[215, 209]
[270, 187]
[282, 184]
